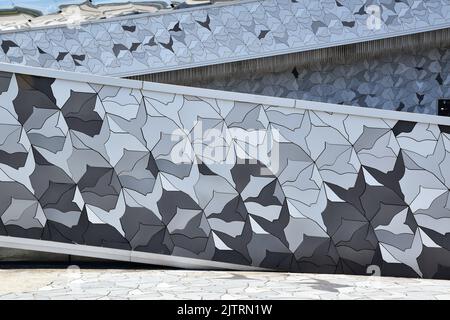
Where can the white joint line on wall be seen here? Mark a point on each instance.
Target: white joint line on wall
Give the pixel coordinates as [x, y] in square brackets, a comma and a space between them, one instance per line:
[119, 254]
[226, 95]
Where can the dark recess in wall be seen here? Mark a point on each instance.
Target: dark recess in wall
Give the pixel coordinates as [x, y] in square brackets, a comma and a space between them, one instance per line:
[444, 107]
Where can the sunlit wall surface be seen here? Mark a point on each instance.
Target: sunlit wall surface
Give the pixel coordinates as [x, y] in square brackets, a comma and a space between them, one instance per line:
[216, 34]
[221, 177]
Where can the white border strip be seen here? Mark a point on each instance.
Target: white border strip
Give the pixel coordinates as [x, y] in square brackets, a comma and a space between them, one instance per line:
[119, 254]
[227, 95]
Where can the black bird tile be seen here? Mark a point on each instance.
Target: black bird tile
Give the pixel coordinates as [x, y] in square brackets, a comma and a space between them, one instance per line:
[169, 45]
[79, 57]
[362, 11]
[420, 97]
[263, 34]
[61, 56]
[134, 46]
[117, 48]
[439, 79]
[206, 23]
[403, 127]
[129, 28]
[7, 44]
[176, 27]
[151, 42]
[401, 106]
[349, 24]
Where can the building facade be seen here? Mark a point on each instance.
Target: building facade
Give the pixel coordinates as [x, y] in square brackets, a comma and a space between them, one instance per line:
[321, 149]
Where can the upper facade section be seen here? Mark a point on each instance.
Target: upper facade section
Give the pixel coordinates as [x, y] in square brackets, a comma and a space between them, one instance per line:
[26, 14]
[220, 33]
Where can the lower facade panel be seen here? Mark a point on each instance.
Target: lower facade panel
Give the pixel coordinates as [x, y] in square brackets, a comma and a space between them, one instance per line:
[152, 174]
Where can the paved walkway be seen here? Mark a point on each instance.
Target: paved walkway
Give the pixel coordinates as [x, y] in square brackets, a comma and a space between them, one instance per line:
[74, 283]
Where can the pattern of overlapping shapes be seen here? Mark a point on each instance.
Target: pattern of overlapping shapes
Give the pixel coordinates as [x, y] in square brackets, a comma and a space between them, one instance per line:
[92, 164]
[406, 81]
[217, 34]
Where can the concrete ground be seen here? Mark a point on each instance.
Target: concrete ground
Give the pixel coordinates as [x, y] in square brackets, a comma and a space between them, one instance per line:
[76, 283]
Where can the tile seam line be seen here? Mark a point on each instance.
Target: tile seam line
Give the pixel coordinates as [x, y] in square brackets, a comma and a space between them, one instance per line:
[226, 95]
[282, 52]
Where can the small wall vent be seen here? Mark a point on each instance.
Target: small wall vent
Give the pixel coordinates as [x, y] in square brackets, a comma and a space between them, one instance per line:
[444, 107]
